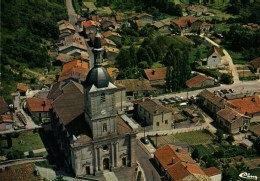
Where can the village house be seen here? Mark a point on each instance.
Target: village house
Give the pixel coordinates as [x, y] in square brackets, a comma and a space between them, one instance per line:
[76, 70]
[16, 102]
[196, 10]
[4, 108]
[200, 81]
[113, 72]
[107, 24]
[21, 172]
[80, 22]
[213, 173]
[136, 88]
[62, 58]
[6, 122]
[65, 29]
[90, 26]
[110, 53]
[116, 37]
[161, 25]
[215, 58]
[121, 18]
[252, 26]
[144, 18]
[154, 114]
[22, 89]
[255, 130]
[39, 108]
[211, 102]
[108, 43]
[249, 106]
[186, 24]
[176, 164]
[206, 27]
[232, 121]
[72, 44]
[157, 78]
[256, 65]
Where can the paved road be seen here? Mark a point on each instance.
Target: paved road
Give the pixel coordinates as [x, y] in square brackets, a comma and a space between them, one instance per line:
[150, 172]
[71, 13]
[227, 58]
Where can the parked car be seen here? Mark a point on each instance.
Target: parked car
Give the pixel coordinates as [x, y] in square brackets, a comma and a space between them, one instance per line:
[145, 140]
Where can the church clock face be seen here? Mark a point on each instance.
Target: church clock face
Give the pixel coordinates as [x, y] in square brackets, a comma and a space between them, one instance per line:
[103, 112]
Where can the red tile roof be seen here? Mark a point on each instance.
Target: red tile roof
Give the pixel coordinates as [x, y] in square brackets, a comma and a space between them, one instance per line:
[197, 80]
[22, 87]
[178, 165]
[256, 62]
[184, 21]
[75, 69]
[38, 104]
[247, 105]
[3, 105]
[156, 74]
[89, 23]
[24, 172]
[6, 118]
[212, 171]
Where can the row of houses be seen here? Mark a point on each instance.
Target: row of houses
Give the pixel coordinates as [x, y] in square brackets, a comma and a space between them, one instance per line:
[233, 114]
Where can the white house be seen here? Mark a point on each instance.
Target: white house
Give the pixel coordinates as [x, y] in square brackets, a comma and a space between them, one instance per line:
[215, 58]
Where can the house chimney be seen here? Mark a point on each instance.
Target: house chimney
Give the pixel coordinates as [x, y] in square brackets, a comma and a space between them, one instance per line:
[153, 72]
[173, 160]
[253, 99]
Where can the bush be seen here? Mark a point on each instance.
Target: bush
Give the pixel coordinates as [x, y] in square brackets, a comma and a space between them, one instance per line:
[31, 154]
[14, 154]
[226, 78]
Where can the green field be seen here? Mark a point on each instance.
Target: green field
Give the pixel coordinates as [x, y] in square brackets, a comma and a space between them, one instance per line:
[26, 141]
[237, 57]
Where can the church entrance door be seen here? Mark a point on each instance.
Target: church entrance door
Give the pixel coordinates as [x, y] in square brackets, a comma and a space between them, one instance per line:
[106, 164]
[87, 170]
[124, 161]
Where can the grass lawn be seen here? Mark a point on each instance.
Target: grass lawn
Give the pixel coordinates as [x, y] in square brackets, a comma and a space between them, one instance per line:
[31, 141]
[203, 50]
[221, 27]
[202, 150]
[189, 138]
[237, 57]
[194, 138]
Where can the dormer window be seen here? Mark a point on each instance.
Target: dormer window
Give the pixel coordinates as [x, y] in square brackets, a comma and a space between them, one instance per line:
[103, 98]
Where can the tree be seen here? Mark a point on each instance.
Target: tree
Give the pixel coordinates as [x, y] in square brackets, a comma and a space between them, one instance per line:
[142, 55]
[14, 154]
[123, 59]
[178, 10]
[198, 55]
[195, 154]
[9, 141]
[230, 139]
[226, 78]
[257, 145]
[219, 133]
[132, 52]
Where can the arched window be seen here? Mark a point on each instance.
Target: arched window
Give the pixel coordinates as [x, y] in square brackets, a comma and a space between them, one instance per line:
[103, 98]
[104, 127]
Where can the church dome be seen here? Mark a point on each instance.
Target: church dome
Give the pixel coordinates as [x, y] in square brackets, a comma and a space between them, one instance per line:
[97, 76]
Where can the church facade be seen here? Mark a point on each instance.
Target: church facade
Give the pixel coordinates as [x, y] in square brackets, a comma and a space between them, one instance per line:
[93, 136]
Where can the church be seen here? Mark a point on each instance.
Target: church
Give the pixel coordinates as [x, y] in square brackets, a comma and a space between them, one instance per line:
[90, 132]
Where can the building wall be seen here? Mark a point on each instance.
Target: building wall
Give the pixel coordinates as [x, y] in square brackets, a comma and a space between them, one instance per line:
[255, 117]
[6, 126]
[217, 177]
[164, 120]
[234, 127]
[213, 60]
[93, 155]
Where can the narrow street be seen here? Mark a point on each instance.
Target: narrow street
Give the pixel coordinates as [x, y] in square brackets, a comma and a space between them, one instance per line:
[71, 13]
[143, 158]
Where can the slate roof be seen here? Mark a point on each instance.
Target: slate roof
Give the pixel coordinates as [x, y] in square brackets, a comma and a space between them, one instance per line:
[76, 69]
[3, 106]
[156, 74]
[70, 104]
[153, 107]
[256, 62]
[184, 21]
[178, 165]
[247, 105]
[197, 80]
[212, 98]
[38, 104]
[23, 172]
[132, 85]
